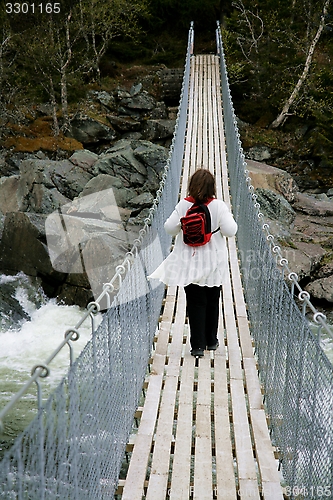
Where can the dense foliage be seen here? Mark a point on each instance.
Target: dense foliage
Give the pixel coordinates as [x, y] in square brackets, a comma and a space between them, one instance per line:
[52, 56]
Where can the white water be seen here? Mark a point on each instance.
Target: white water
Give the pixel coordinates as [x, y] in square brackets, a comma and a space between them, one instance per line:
[23, 346]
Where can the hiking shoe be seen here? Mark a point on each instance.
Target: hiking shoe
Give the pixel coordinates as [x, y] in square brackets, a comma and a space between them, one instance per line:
[198, 353]
[213, 347]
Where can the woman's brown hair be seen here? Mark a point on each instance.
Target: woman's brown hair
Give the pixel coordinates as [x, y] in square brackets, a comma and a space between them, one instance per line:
[202, 185]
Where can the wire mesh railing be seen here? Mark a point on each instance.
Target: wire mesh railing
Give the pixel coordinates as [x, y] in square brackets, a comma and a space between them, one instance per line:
[74, 447]
[295, 372]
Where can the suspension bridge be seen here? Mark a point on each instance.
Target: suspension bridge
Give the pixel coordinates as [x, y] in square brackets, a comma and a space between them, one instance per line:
[231, 425]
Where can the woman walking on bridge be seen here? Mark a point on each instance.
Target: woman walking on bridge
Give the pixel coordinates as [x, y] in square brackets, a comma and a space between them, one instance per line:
[201, 270]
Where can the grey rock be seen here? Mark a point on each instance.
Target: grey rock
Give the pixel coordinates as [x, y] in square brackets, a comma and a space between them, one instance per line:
[142, 101]
[138, 220]
[89, 131]
[153, 179]
[69, 179]
[135, 136]
[309, 204]
[105, 98]
[8, 194]
[90, 245]
[275, 206]
[269, 177]
[124, 124]
[104, 182]
[160, 112]
[259, 153]
[325, 271]
[304, 258]
[321, 288]
[136, 89]
[39, 176]
[151, 155]
[84, 158]
[137, 179]
[121, 144]
[158, 129]
[135, 115]
[102, 253]
[122, 161]
[142, 201]
[122, 94]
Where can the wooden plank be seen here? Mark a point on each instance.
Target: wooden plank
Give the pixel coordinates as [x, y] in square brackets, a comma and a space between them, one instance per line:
[195, 104]
[180, 479]
[246, 341]
[252, 384]
[243, 445]
[206, 83]
[211, 130]
[203, 486]
[198, 163]
[225, 476]
[189, 131]
[264, 450]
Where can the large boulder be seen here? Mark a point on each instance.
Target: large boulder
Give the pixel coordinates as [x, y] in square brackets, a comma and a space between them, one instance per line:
[311, 205]
[124, 123]
[136, 162]
[267, 177]
[155, 130]
[275, 205]
[304, 258]
[120, 161]
[84, 158]
[103, 182]
[140, 101]
[44, 185]
[151, 155]
[88, 237]
[8, 194]
[89, 131]
[321, 289]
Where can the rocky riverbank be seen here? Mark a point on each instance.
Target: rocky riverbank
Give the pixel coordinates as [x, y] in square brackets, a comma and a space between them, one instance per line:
[302, 224]
[68, 216]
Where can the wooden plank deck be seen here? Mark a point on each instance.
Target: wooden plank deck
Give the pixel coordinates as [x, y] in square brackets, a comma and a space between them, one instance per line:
[203, 431]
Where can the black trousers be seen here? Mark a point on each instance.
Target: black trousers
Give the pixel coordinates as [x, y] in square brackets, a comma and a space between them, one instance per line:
[203, 313]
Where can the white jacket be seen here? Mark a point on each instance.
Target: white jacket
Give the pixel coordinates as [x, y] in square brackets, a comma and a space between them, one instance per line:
[204, 265]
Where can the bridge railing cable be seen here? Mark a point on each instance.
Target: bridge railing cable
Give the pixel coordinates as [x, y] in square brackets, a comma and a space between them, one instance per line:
[74, 448]
[294, 369]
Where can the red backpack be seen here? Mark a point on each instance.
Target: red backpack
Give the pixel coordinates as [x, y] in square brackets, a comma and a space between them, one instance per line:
[196, 224]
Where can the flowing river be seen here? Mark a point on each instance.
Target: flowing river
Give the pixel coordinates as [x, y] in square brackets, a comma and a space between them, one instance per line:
[29, 342]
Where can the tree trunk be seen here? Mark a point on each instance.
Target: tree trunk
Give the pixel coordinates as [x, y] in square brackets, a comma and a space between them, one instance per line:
[56, 129]
[63, 83]
[285, 110]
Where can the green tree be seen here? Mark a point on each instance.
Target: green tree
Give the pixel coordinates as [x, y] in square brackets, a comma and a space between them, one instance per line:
[311, 45]
[102, 22]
